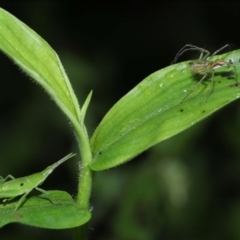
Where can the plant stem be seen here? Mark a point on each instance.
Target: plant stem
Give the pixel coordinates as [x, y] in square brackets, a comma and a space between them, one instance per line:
[80, 233]
[85, 174]
[85, 180]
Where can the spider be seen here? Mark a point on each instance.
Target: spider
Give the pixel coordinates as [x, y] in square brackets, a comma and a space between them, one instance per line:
[203, 66]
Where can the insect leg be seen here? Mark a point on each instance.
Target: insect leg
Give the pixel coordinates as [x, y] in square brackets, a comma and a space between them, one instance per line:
[40, 190]
[8, 199]
[45, 192]
[21, 200]
[7, 177]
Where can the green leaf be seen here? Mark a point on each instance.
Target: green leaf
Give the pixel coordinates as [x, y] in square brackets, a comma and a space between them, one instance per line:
[154, 110]
[34, 56]
[54, 210]
[85, 107]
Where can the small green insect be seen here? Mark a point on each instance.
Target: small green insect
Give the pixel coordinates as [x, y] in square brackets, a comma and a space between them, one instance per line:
[24, 185]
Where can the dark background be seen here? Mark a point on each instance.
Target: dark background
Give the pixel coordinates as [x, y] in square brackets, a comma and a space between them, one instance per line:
[187, 187]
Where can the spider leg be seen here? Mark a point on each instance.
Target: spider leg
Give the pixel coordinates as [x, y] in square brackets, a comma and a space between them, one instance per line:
[212, 85]
[196, 86]
[235, 73]
[189, 47]
[219, 50]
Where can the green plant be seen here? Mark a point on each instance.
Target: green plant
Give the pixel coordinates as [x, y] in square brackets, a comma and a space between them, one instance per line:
[151, 112]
